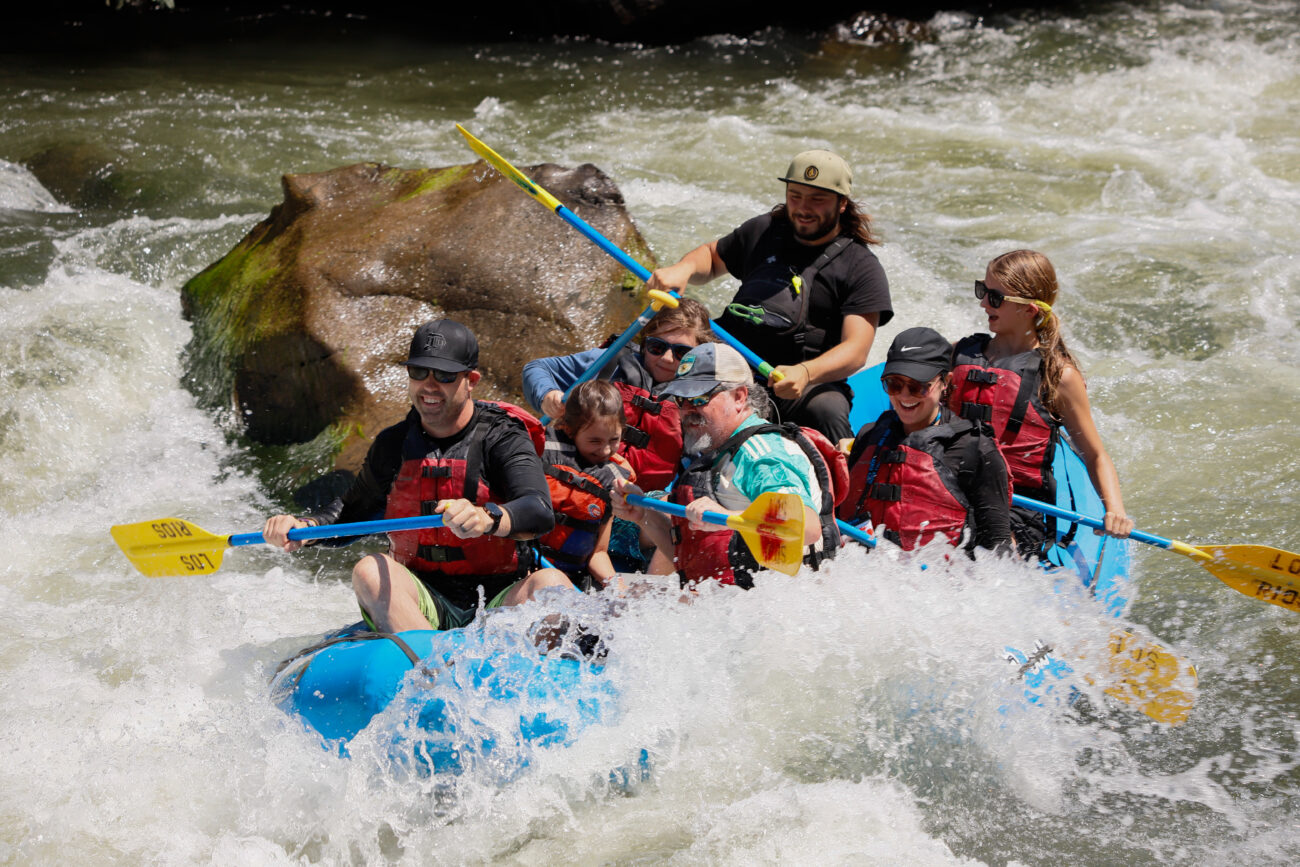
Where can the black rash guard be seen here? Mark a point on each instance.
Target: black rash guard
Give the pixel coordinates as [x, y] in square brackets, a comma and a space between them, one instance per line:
[512, 467]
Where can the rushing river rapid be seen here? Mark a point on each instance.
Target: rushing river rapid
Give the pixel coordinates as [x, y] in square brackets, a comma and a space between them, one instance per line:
[860, 715]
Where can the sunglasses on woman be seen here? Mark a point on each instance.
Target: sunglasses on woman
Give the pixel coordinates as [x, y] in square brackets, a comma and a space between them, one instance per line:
[995, 297]
[656, 346]
[700, 401]
[420, 374]
[896, 385]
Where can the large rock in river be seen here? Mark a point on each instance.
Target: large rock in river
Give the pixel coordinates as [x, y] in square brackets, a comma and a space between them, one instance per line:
[301, 325]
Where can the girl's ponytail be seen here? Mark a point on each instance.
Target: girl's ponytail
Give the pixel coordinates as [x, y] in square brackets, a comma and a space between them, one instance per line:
[1028, 274]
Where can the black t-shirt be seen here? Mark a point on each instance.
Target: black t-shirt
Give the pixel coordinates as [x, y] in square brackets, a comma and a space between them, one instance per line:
[764, 255]
[512, 469]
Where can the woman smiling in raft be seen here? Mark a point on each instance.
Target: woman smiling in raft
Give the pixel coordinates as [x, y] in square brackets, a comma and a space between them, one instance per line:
[1021, 384]
[918, 471]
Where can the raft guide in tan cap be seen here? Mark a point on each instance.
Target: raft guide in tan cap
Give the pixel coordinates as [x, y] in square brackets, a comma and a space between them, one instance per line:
[821, 169]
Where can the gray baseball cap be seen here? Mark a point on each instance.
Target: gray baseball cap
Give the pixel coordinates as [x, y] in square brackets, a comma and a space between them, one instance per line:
[704, 367]
[821, 169]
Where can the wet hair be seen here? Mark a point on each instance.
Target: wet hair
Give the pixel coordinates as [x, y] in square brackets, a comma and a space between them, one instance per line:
[1027, 274]
[589, 401]
[854, 222]
[689, 315]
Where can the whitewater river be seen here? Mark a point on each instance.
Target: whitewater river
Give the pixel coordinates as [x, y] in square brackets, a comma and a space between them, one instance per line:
[855, 716]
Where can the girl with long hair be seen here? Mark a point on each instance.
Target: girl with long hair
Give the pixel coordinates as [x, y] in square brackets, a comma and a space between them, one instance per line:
[1022, 384]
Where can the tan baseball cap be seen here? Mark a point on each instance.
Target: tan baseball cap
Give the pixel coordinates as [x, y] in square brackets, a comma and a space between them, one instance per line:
[821, 169]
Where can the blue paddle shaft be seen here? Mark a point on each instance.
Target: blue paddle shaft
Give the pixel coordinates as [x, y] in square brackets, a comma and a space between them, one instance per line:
[643, 274]
[335, 531]
[856, 534]
[673, 508]
[1086, 520]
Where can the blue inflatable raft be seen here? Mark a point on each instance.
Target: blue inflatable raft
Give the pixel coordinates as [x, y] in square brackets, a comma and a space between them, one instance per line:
[450, 699]
[447, 700]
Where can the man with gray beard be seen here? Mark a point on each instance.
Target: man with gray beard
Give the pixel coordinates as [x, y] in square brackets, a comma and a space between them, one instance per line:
[734, 456]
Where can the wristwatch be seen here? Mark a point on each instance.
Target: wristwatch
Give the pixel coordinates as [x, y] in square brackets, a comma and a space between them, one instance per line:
[495, 513]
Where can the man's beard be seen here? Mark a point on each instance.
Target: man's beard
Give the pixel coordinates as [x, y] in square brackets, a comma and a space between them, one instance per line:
[824, 226]
[694, 443]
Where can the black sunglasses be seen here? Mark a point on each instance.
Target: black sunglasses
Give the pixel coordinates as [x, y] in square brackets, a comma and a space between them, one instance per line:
[420, 374]
[656, 346]
[995, 297]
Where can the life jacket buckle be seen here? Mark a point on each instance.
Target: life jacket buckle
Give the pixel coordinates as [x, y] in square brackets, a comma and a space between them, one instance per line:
[972, 411]
[439, 553]
[886, 493]
[635, 437]
[983, 376]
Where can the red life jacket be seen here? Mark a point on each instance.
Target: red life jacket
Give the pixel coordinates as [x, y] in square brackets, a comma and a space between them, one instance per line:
[425, 478]
[652, 430]
[652, 436]
[580, 500]
[1003, 396]
[906, 488]
[724, 556]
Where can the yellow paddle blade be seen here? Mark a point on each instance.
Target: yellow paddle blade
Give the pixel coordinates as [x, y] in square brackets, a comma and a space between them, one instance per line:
[1268, 574]
[1147, 677]
[498, 162]
[772, 527]
[170, 546]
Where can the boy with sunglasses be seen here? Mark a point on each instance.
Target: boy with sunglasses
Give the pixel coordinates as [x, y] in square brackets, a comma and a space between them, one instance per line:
[918, 472]
[476, 464]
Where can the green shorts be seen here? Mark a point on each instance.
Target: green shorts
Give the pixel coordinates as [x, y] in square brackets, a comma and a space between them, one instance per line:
[441, 613]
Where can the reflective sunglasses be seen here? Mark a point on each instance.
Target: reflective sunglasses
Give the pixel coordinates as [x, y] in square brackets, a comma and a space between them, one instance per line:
[700, 401]
[896, 385]
[995, 297]
[420, 374]
[655, 346]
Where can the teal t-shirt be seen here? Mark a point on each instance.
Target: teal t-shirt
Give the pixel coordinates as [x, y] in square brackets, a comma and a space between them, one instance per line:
[765, 462]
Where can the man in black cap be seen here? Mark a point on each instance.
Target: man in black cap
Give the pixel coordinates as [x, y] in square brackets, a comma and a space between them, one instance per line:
[812, 294]
[474, 463]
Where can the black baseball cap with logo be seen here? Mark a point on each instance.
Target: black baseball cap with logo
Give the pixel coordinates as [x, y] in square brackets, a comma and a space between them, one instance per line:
[443, 344]
[920, 354]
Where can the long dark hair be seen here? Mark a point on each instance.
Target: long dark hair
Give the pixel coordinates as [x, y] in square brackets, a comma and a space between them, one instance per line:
[854, 222]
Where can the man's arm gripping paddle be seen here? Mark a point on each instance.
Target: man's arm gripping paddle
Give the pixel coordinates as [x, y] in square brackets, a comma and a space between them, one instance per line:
[170, 546]
[1258, 571]
[772, 527]
[640, 271]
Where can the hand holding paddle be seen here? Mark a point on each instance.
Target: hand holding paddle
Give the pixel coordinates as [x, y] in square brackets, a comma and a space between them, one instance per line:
[640, 271]
[772, 526]
[1258, 571]
[170, 546]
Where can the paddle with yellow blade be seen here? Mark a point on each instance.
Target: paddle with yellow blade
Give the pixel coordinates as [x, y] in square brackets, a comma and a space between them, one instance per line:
[1139, 673]
[642, 273]
[170, 546]
[772, 527]
[1258, 571]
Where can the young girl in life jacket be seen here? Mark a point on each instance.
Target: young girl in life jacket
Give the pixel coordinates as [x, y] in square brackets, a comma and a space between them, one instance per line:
[582, 461]
[1022, 384]
[918, 471]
